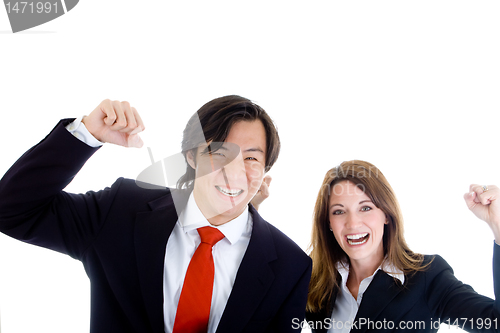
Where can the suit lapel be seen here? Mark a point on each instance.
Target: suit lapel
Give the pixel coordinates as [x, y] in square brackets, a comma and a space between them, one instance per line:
[152, 231]
[252, 282]
[379, 294]
[253, 279]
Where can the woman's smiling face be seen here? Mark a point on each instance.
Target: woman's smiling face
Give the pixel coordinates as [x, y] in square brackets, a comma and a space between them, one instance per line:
[357, 224]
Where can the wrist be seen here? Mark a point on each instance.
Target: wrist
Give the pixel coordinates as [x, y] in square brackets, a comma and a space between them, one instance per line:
[496, 232]
[81, 132]
[88, 129]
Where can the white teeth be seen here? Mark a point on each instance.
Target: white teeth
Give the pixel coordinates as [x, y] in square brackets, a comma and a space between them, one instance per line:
[230, 193]
[358, 236]
[351, 239]
[357, 243]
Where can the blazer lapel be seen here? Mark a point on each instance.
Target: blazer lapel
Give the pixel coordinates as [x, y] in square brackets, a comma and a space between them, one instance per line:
[379, 294]
[152, 231]
[253, 279]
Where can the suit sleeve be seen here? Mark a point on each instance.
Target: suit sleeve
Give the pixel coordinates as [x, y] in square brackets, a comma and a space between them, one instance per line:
[33, 207]
[457, 303]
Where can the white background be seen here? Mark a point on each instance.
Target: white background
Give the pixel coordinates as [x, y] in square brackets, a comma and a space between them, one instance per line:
[412, 87]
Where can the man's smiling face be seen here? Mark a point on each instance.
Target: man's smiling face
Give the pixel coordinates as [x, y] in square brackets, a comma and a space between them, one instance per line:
[229, 177]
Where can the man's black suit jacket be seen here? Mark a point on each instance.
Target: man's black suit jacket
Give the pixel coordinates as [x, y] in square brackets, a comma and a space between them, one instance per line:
[427, 299]
[120, 236]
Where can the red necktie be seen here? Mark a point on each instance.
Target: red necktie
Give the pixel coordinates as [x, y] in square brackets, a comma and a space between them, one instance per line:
[193, 309]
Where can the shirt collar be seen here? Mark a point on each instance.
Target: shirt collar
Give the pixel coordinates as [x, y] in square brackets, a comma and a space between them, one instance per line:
[192, 218]
[390, 269]
[393, 271]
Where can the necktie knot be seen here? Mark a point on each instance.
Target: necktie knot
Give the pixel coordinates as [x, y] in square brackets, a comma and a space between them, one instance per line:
[210, 235]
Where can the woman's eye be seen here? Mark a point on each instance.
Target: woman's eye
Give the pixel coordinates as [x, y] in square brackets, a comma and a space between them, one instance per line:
[366, 208]
[251, 158]
[338, 212]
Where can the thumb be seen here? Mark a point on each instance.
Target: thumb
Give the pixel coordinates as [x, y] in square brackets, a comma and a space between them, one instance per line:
[469, 199]
[475, 206]
[268, 179]
[134, 140]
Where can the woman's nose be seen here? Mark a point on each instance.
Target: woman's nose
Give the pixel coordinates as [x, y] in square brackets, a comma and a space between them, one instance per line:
[353, 221]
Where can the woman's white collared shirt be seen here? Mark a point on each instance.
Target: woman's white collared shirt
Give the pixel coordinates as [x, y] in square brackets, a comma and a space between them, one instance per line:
[346, 306]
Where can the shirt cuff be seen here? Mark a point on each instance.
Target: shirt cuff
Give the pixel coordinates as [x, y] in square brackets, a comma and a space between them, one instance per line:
[79, 131]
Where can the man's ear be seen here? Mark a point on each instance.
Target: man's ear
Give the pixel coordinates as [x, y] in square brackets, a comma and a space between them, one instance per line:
[191, 159]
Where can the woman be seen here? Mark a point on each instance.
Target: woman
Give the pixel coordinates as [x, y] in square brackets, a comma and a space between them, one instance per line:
[364, 275]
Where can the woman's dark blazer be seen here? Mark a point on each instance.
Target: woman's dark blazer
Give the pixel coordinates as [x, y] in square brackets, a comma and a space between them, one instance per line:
[427, 298]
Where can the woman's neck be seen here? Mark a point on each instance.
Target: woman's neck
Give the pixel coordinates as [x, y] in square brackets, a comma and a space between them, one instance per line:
[358, 271]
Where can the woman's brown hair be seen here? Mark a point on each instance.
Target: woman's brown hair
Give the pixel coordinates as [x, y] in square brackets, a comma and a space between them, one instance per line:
[326, 252]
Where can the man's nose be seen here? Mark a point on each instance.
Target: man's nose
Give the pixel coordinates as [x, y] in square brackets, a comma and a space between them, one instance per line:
[235, 169]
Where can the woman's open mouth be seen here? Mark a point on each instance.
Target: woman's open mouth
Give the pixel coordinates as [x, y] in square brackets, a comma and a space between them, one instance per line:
[357, 239]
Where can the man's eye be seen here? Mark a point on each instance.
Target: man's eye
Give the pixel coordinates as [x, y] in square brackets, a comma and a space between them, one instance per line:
[251, 159]
[217, 154]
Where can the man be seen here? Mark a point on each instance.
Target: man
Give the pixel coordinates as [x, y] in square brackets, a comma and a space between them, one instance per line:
[141, 248]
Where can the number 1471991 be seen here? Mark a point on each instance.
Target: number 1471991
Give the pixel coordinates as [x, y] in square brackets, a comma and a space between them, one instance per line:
[23, 7]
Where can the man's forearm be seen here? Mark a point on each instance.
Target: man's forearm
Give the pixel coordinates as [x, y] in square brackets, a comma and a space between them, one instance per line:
[40, 174]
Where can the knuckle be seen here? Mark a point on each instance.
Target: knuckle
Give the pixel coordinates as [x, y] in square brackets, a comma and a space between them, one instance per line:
[106, 104]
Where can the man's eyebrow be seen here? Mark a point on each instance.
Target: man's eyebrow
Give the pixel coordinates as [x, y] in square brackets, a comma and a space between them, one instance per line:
[254, 150]
[210, 149]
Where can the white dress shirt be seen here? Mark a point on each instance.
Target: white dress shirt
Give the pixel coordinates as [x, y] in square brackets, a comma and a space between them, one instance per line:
[78, 129]
[182, 243]
[227, 254]
[346, 306]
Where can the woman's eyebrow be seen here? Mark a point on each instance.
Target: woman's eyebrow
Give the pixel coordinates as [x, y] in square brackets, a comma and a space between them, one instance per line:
[336, 205]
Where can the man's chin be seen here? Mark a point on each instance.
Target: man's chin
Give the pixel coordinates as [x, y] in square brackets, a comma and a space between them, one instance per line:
[227, 213]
